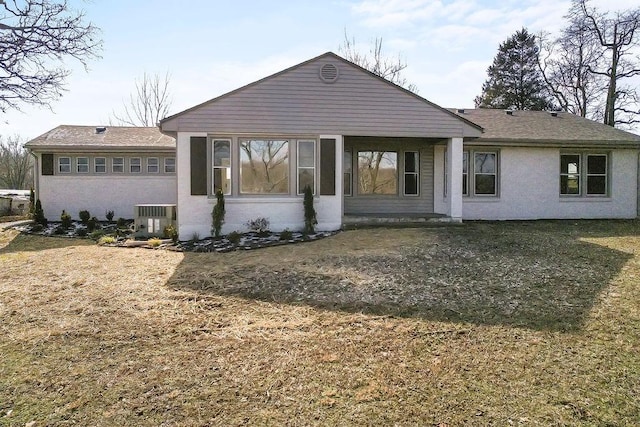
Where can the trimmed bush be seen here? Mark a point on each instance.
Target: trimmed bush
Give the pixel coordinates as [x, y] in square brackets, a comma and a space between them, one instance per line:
[81, 232]
[217, 215]
[84, 216]
[109, 215]
[310, 220]
[286, 235]
[96, 234]
[171, 232]
[154, 242]
[121, 222]
[106, 240]
[65, 220]
[93, 224]
[38, 214]
[234, 237]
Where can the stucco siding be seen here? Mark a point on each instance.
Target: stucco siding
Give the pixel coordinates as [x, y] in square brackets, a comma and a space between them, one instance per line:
[283, 212]
[529, 188]
[101, 194]
[297, 101]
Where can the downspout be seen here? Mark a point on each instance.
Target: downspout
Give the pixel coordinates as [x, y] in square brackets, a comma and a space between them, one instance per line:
[36, 175]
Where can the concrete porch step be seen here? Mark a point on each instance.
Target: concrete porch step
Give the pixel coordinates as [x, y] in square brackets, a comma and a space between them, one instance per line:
[350, 222]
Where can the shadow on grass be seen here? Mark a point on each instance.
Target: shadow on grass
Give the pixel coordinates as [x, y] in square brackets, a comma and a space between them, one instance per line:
[12, 241]
[537, 275]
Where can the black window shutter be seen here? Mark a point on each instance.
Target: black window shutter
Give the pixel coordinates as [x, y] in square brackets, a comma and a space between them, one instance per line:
[47, 164]
[198, 155]
[328, 167]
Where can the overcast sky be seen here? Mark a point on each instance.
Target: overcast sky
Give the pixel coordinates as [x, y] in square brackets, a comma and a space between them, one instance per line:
[211, 47]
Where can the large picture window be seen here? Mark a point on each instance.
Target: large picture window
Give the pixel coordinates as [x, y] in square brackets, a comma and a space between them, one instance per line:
[584, 174]
[264, 166]
[377, 172]
[221, 166]
[306, 165]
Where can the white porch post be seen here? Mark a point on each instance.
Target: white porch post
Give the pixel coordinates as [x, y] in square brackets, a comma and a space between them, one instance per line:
[454, 183]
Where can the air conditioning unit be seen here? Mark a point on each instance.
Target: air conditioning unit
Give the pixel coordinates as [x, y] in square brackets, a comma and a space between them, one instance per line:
[151, 220]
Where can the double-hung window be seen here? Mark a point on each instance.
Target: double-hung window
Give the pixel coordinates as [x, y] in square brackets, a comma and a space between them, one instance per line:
[82, 164]
[135, 165]
[221, 175]
[411, 173]
[584, 174]
[479, 173]
[347, 168]
[170, 165]
[64, 164]
[306, 166]
[117, 165]
[100, 165]
[152, 165]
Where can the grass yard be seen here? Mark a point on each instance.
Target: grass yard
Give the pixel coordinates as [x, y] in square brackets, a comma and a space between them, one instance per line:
[533, 323]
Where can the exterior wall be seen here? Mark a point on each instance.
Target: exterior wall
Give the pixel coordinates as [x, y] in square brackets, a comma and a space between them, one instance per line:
[101, 193]
[285, 211]
[529, 188]
[392, 204]
[297, 101]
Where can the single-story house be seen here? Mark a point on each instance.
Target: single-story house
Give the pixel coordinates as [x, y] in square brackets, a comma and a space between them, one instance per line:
[365, 146]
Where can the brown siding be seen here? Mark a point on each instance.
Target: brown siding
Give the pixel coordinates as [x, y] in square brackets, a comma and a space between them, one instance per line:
[327, 167]
[47, 164]
[198, 155]
[299, 102]
[410, 205]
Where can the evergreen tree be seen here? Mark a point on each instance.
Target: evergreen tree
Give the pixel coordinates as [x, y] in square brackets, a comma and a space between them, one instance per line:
[515, 80]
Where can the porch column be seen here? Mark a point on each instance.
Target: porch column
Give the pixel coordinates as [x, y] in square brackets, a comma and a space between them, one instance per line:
[454, 183]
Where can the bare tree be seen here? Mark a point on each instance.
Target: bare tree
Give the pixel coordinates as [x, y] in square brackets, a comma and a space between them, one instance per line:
[619, 37]
[36, 37]
[566, 64]
[148, 104]
[376, 62]
[16, 166]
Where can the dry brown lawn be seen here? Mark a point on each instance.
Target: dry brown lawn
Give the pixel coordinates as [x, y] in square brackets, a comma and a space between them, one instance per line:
[483, 324]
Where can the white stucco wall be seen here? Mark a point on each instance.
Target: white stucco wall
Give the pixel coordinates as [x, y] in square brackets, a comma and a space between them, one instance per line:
[194, 212]
[529, 188]
[99, 194]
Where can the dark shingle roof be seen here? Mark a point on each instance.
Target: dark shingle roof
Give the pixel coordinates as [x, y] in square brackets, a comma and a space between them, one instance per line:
[542, 127]
[113, 137]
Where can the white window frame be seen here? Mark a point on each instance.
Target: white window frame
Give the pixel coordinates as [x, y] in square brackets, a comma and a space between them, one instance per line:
[416, 173]
[149, 165]
[300, 168]
[95, 164]
[84, 163]
[60, 164]
[119, 164]
[226, 170]
[579, 174]
[138, 164]
[167, 166]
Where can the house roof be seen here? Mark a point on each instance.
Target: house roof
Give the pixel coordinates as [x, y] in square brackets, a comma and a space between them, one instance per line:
[352, 106]
[112, 138]
[541, 127]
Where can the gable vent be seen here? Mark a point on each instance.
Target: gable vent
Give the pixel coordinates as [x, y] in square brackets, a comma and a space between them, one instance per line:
[328, 73]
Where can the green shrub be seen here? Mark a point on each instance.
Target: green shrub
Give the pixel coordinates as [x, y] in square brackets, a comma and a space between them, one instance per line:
[96, 234]
[154, 242]
[65, 220]
[286, 235]
[121, 222]
[217, 215]
[310, 220]
[38, 214]
[258, 225]
[106, 240]
[93, 224]
[171, 232]
[195, 237]
[59, 230]
[36, 228]
[84, 216]
[109, 215]
[81, 232]
[234, 237]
